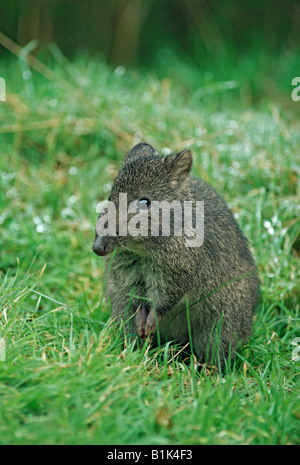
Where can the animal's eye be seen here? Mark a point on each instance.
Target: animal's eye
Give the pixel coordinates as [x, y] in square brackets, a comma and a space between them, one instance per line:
[109, 198]
[143, 204]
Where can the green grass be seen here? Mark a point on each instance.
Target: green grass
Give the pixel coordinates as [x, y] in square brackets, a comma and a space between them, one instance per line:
[68, 378]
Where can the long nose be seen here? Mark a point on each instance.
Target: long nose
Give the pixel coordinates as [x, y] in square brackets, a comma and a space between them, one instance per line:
[99, 247]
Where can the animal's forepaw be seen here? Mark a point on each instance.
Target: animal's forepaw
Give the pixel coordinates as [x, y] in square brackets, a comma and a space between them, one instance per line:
[150, 326]
[140, 321]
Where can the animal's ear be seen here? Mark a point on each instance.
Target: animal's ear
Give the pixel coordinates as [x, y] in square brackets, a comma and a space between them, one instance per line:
[178, 166]
[140, 151]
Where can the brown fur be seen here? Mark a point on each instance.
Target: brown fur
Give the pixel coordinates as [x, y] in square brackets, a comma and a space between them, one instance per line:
[218, 281]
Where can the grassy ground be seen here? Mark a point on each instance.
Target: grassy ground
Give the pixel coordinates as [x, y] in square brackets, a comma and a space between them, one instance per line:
[67, 377]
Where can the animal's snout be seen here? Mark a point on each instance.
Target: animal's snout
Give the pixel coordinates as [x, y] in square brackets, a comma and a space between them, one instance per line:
[99, 246]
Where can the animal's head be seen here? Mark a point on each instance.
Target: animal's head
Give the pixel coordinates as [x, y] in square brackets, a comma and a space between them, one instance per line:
[144, 180]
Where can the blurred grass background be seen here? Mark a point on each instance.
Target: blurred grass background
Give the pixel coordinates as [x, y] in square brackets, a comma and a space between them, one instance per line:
[84, 82]
[194, 41]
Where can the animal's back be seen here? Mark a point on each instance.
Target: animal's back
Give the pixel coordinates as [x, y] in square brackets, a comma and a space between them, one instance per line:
[221, 294]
